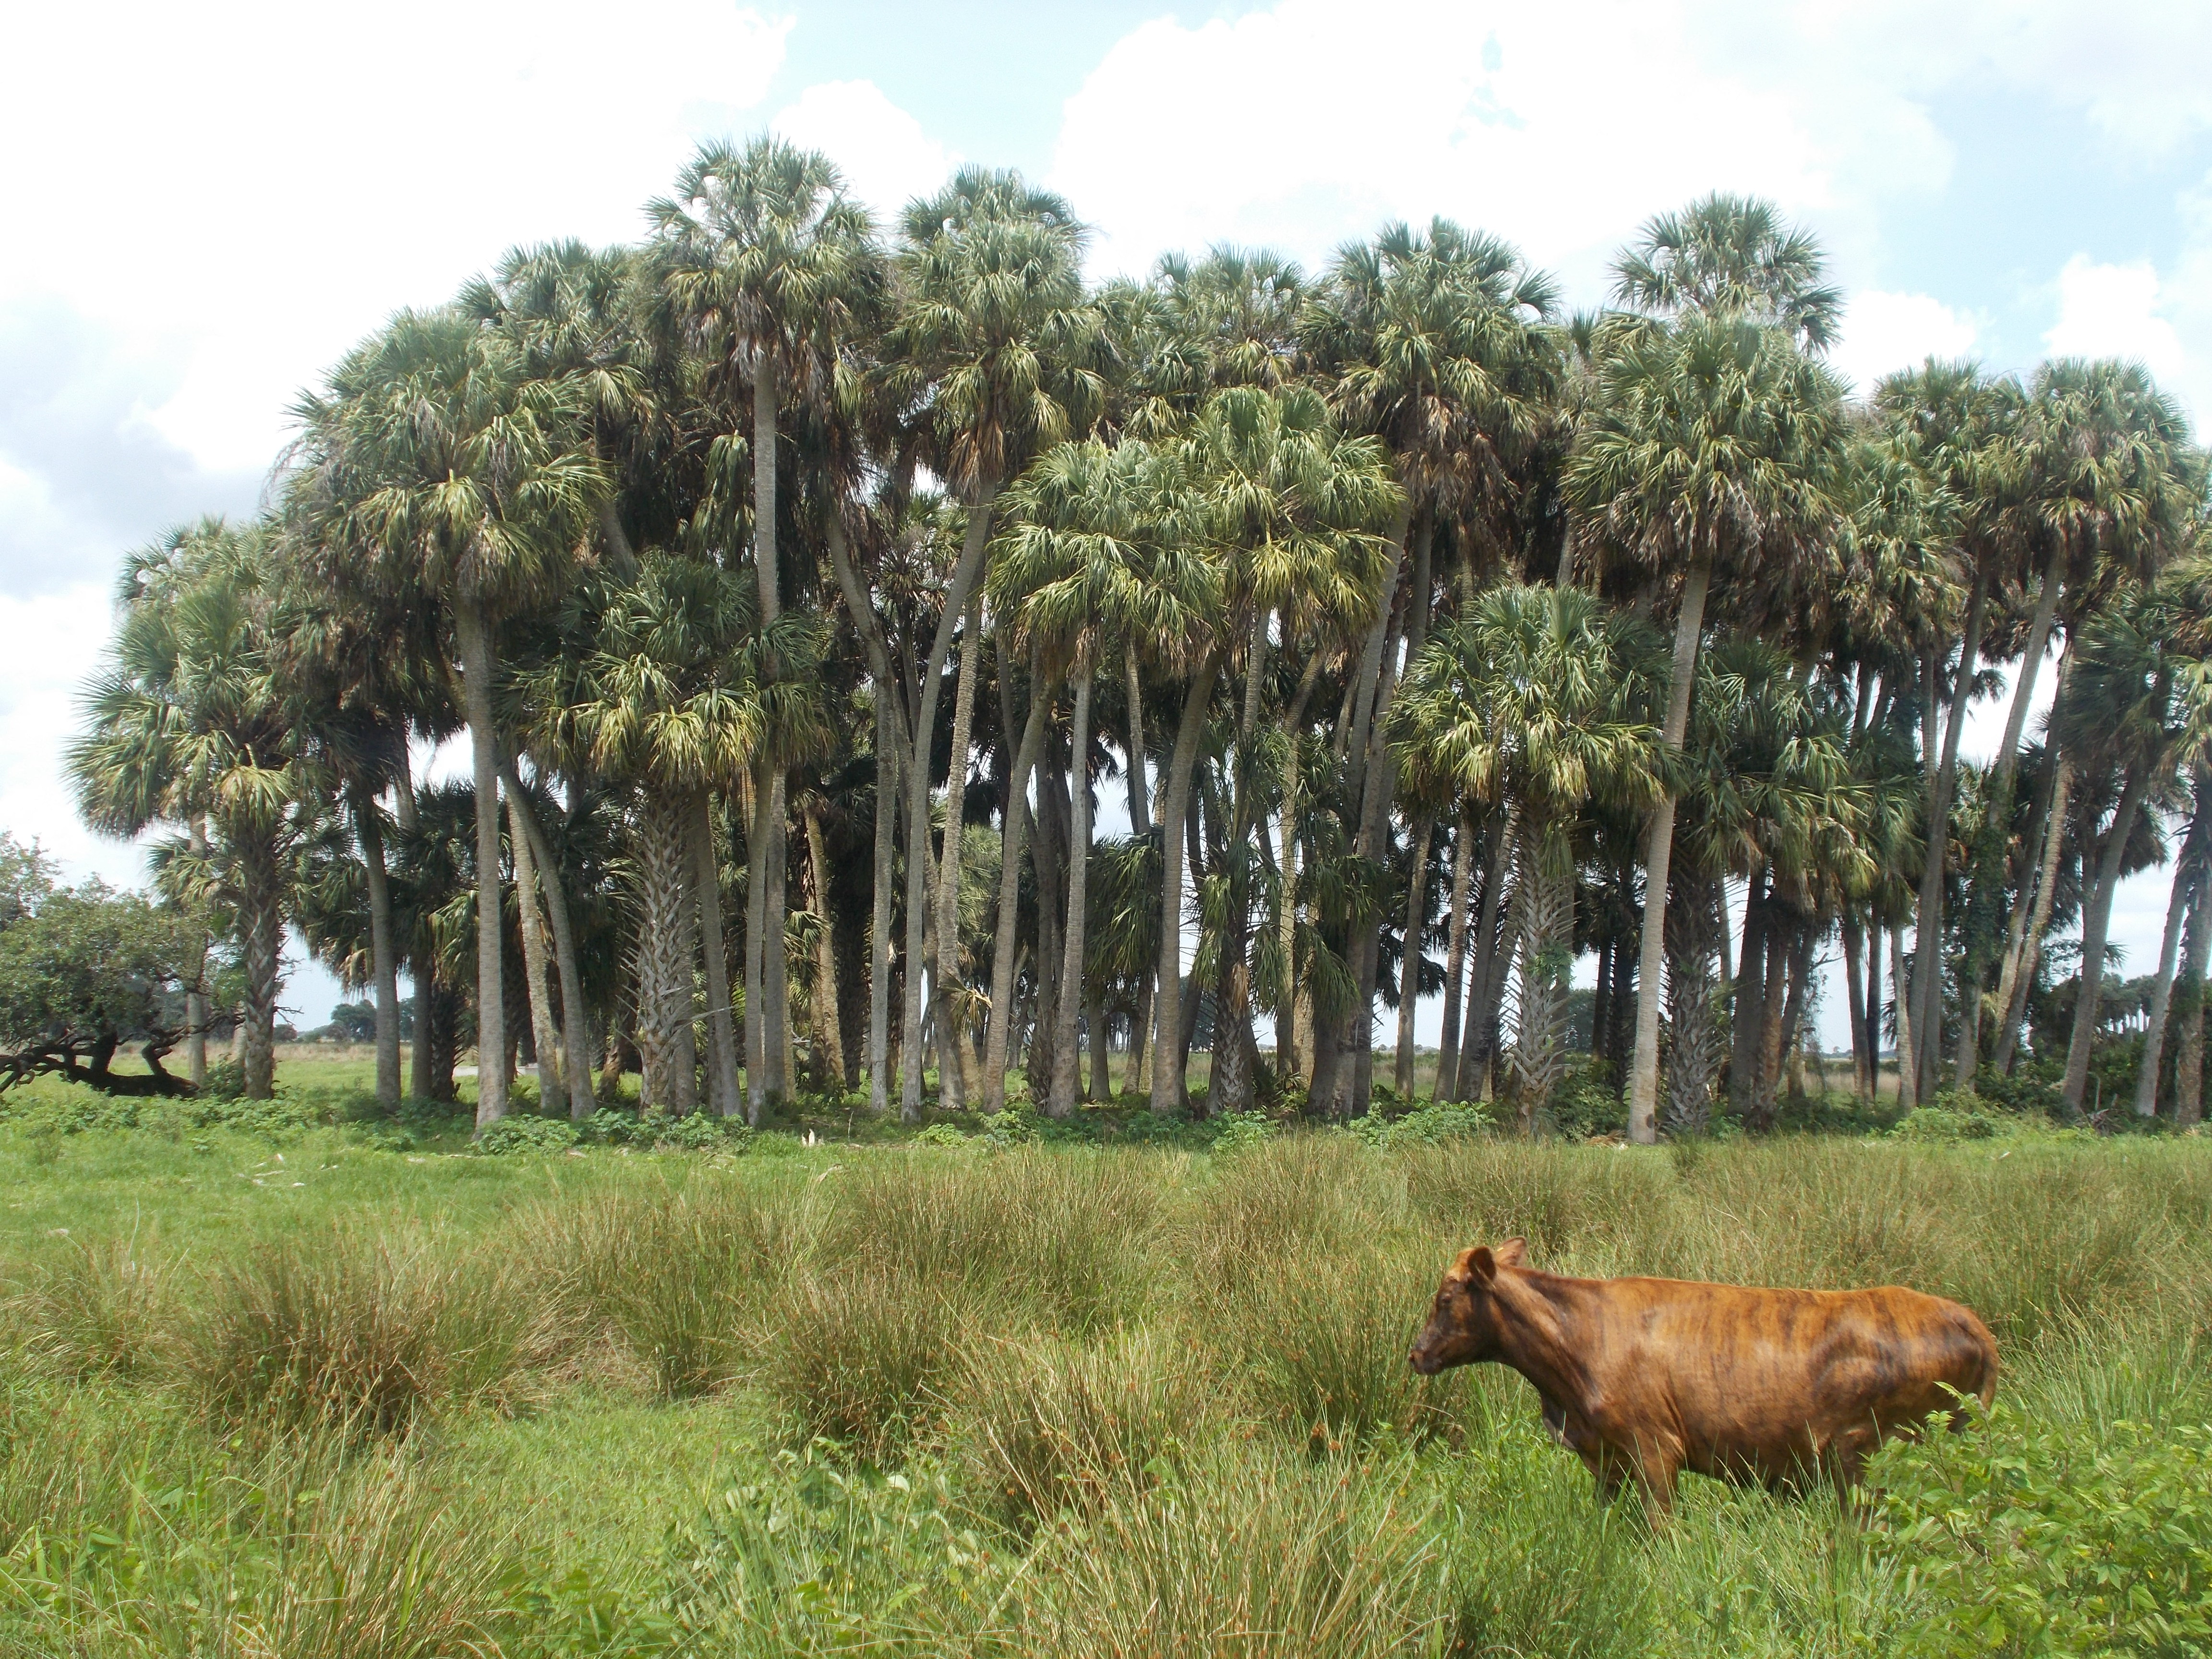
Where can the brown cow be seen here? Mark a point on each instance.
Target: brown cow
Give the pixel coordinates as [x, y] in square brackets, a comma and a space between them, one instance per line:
[1643, 1378]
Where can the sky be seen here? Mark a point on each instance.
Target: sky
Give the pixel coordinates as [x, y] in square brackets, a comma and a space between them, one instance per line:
[207, 205]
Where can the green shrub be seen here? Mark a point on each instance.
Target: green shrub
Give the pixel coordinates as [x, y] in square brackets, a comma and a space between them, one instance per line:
[1061, 1233]
[941, 1134]
[695, 1132]
[1946, 1122]
[2031, 1537]
[818, 1559]
[1425, 1126]
[1236, 1133]
[1047, 1425]
[520, 1134]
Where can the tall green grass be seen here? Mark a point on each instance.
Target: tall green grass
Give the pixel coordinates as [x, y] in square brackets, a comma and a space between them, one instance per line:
[1125, 1403]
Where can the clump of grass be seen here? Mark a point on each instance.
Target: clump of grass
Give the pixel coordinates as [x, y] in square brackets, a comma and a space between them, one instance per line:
[369, 1335]
[1248, 1555]
[1323, 1339]
[305, 1555]
[1064, 1231]
[1295, 1192]
[678, 1274]
[1047, 1425]
[858, 1357]
[98, 1308]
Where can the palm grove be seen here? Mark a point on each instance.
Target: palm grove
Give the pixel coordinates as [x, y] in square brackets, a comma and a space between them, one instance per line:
[802, 587]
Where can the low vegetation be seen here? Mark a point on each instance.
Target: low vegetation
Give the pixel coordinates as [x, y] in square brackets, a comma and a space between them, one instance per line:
[315, 1387]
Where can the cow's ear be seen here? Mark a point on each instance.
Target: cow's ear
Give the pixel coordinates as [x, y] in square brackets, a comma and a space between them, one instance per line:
[1513, 1253]
[1482, 1265]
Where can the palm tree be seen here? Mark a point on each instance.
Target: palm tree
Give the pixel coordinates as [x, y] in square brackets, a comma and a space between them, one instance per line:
[1732, 256]
[995, 352]
[1543, 696]
[770, 267]
[444, 473]
[1437, 344]
[190, 727]
[1069, 574]
[2143, 701]
[1297, 514]
[1711, 451]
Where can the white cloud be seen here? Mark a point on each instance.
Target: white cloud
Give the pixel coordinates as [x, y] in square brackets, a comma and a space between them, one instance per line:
[887, 157]
[2114, 311]
[1560, 127]
[1884, 332]
[55, 643]
[249, 190]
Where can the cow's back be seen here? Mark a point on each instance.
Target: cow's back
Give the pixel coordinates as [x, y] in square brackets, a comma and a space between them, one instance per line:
[1757, 1380]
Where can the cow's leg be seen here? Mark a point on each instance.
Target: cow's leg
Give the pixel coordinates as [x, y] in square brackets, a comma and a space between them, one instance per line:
[1611, 1475]
[1654, 1473]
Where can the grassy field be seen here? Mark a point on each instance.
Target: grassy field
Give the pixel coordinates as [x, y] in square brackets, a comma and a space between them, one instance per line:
[307, 1389]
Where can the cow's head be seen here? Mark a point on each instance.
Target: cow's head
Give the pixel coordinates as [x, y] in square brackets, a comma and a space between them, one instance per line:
[1463, 1325]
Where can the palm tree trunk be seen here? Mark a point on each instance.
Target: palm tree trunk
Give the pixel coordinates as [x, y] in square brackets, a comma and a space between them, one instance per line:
[1065, 1081]
[542, 1040]
[1048, 846]
[1908, 1075]
[473, 635]
[965, 576]
[2096, 922]
[1928, 985]
[1747, 1010]
[880, 912]
[1168, 1092]
[1141, 825]
[2186, 863]
[575, 1039]
[1658, 853]
[828, 1034]
[756, 840]
[1409, 977]
[383, 955]
[2032, 917]
[1004, 945]
[1456, 956]
[1854, 990]
[664, 956]
[421, 1074]
[1485, 996]
[723, 1095]
[1546, 915]
[1101, 1083]
[2189, 993]
[954, 1067]
[196, 998]
[776, 963]
[1693, 925]
[261, 923]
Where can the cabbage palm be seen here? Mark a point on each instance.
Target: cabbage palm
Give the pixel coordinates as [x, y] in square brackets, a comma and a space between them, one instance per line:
[1297, 514]
[1542, 696]
[1436, 342]
[190, 727]
[771, 269]
[441, 471]
[1711, 450]
[995, 353]
[1732, 256]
